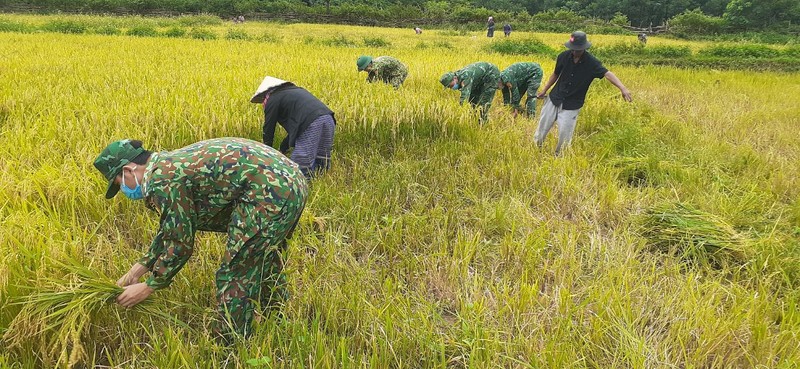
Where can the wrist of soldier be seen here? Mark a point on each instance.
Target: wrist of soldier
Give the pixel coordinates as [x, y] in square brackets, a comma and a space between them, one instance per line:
[156, 283]
[138, 269]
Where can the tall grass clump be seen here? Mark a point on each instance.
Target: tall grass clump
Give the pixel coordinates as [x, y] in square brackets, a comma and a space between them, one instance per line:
[64, 26]
[521, 47]
[376, 42]
[202, 34]
[667, 51]
[237, 34]
[108, 30]
[694, 235]
[338, 41]
[639, 50]
[269, 36]
[175, 32]
[442, 44]
[792, 52]
[64, 311]
[142, 31]
[7, 25]
[741, 51]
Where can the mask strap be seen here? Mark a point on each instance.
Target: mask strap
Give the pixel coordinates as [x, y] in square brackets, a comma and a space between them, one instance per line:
[134, 178]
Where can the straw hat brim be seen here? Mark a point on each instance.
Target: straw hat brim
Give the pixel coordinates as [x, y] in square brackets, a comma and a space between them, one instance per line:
[267, 84]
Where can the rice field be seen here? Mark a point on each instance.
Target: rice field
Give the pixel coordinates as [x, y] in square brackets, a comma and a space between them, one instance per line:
[668, 237]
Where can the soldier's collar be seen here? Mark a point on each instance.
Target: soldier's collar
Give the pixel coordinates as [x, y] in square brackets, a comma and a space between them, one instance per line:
[151, 163]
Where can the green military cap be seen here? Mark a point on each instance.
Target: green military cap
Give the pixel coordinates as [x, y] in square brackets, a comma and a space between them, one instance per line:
[110, 162]
[363, 61]
[447, 78]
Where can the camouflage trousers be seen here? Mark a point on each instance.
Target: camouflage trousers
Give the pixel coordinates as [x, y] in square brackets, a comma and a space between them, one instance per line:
[530, 88]
[251, 273]
[483, 94]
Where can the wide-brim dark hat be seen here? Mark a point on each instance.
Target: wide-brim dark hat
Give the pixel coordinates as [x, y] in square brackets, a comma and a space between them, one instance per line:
[578, 41]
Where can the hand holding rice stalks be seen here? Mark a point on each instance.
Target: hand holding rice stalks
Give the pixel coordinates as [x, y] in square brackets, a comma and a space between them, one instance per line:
[61, 311]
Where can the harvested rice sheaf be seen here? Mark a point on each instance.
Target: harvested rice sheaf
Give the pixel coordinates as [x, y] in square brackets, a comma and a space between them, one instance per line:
[694, 235]
[61, 311]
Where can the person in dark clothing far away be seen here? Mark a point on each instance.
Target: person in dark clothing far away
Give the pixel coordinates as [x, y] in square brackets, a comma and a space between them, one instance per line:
[507, 29]
[575, 70]
[490, 27]
[309, 123]
[643, 38]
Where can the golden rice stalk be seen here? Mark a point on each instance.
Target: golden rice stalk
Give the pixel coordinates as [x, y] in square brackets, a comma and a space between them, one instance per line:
[60, 311]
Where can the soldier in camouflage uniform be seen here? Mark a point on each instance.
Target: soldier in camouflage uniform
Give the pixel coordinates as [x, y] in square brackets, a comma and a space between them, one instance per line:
[518, 79]
[477, 83]
[237, 186]
[384, 68]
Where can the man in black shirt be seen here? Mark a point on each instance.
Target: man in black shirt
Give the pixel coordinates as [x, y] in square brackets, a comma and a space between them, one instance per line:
[575, 70]
[309, 123]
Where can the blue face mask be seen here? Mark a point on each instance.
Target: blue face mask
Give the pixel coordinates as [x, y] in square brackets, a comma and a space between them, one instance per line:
[131, 193]
[455, 86]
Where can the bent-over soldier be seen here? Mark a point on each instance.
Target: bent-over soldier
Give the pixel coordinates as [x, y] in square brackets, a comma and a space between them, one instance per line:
[231, 185]
[477, 83]
[384, 68]
[518, 79]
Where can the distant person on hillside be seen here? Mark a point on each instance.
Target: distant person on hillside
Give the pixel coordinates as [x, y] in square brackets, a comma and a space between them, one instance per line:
[575, 70]
[418, 30]
[643, 38]
[241, 19]
[518, 79]
[507, 29]
[490, 27]
[384, 68]
[477, 83]
[229, 185]
[309, 124]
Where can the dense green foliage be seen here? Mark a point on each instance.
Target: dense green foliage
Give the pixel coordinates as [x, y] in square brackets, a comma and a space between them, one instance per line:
[689, 16]
[529, 46]
[742, 55]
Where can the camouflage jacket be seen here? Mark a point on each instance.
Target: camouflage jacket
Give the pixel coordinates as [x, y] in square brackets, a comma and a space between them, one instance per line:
[520, 74]
[197, 188]
[476, 75]
[388, 70]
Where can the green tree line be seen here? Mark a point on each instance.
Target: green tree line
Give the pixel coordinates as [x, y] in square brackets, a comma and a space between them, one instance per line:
[712, 15]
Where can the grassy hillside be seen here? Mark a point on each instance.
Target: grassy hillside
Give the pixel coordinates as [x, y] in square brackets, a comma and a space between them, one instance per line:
[667, 237]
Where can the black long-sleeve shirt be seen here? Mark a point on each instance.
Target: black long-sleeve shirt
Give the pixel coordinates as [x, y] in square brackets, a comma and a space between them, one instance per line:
[294, 108]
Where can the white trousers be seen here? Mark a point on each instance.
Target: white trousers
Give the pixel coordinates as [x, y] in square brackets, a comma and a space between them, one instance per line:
[566, 125]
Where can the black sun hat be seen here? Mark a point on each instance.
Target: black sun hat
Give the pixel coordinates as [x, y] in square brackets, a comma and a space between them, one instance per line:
[578, 41]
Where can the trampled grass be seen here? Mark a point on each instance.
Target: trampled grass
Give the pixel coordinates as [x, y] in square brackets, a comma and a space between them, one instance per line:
[433, 242]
